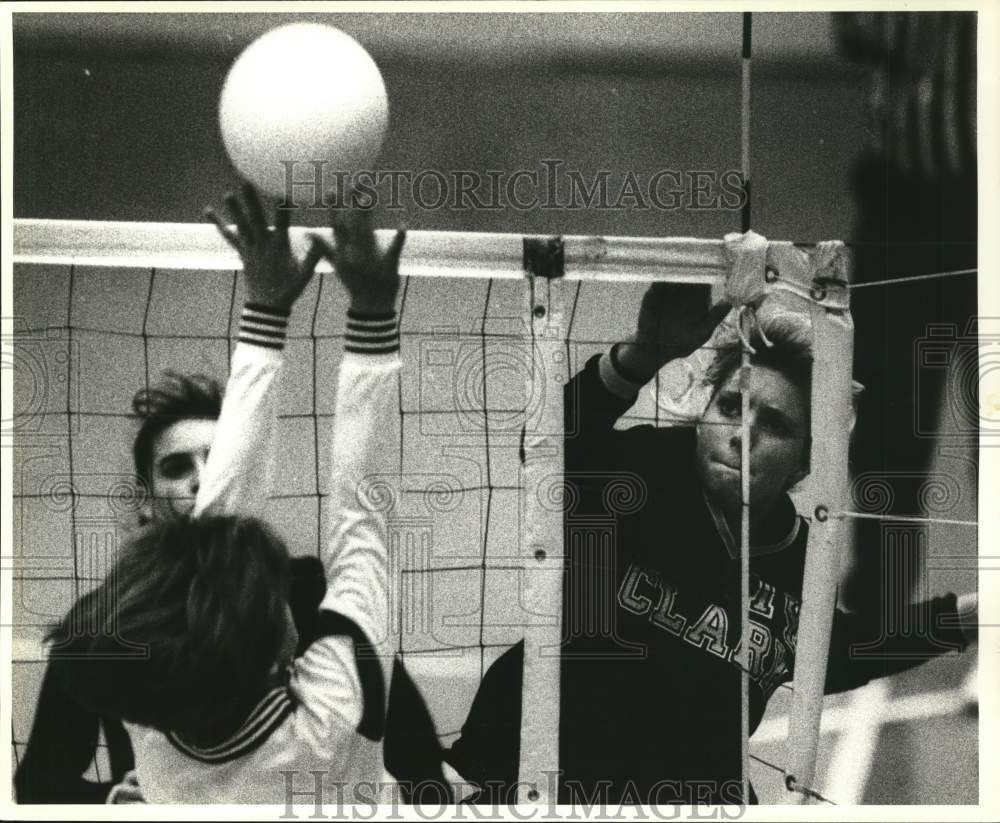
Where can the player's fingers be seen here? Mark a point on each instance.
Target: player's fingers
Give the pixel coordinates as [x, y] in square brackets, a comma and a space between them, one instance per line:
[712, 318]
[314, 254]
[227, 233]
[395, 249]
[321, 246]
[352, 230]
[337, 216]
[359, 222]
[675, 299]
[670, 303]
[343, 237]
[665, 291]
[340, 223]
[653, 295]
[693, 294]
[255, 211]
[239, 217]
[718, 313]
[282, 219]
[363, 225]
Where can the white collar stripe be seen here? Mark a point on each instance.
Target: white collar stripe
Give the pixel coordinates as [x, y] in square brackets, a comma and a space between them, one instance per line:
[732, 545]
[265, 710]
[263, 720]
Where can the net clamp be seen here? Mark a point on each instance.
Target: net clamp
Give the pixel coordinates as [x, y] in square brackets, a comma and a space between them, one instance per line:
[544, 257]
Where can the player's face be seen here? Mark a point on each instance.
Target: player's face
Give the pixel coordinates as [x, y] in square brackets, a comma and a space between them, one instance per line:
[179, 455]
[778, 431]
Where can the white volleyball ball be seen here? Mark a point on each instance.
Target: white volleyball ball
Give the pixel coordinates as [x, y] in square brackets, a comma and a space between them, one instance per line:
[302, 94]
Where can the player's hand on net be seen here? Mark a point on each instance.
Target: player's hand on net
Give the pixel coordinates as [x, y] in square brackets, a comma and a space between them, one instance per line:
[370, 274]
[675, 320]
[274, 277]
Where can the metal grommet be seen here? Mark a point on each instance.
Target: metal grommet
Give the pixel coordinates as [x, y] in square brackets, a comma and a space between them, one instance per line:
[822, 514]
[540, 555]
[818, 293]
[790, 782]
[533, 795]
[770, 274]
[539, 311]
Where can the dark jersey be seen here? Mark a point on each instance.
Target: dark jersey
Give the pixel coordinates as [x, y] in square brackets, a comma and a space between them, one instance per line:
[650, 692]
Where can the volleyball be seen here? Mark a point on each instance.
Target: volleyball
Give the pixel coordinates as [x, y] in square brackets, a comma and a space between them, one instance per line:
[301, 95]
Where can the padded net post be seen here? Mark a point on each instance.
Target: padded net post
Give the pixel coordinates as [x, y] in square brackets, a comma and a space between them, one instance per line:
[826, 270]
[542, 578]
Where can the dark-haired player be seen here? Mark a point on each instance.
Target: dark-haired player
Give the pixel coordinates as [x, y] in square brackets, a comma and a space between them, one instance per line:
[650, 690]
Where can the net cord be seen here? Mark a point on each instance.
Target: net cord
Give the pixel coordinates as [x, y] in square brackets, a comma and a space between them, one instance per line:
[194, 247]
[745, 435]
[745, 367]
[902, 518]
[745, 119]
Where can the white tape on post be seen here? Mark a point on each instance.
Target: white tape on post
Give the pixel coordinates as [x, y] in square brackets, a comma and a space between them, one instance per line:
[833, 348]
[542, 484]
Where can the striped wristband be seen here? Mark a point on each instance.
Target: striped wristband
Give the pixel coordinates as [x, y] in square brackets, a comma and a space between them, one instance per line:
[263, 326]
[371, 333]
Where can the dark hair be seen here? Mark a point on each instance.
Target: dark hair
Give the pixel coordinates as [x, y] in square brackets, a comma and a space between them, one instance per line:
[174, 397]
[790, 353]
[184, 631]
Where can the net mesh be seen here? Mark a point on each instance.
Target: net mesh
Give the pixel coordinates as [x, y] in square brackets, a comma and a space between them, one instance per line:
[87, 336]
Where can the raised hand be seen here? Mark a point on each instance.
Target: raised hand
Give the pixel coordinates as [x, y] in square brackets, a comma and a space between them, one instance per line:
[370, 274]
[674, 321]
[274, 278]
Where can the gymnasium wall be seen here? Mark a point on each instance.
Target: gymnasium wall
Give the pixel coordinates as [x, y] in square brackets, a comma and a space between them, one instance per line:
[121, 136]
[118, 135]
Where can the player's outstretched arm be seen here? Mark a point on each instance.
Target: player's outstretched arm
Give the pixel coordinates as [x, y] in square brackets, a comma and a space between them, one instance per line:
[366, 436]
[342, 677]
[241, 463]
[949, 624]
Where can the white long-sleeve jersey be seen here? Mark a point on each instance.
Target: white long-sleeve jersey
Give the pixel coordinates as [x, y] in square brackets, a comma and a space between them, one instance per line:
[329, 718]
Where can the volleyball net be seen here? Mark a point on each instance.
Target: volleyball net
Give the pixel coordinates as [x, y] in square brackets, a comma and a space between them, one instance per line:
[492, 326]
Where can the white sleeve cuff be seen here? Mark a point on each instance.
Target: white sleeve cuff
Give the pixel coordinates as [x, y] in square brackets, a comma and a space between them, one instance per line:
[614, 382]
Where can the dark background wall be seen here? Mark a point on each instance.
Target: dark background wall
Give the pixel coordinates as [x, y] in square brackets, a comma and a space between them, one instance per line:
[119, 123]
